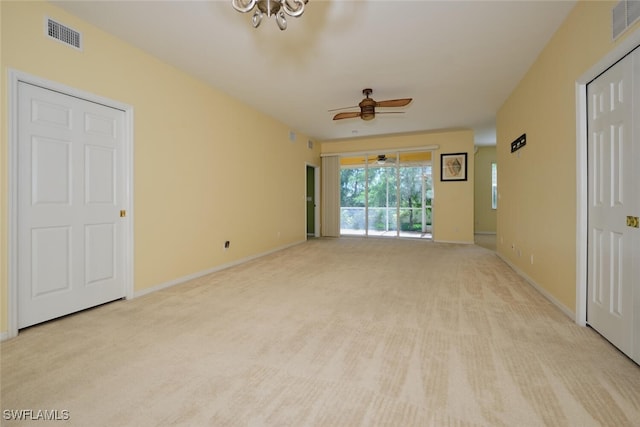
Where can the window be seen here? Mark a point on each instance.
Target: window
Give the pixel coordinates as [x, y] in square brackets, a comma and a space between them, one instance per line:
[494, 185]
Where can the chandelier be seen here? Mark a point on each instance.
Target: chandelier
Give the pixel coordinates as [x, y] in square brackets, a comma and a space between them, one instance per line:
[278, 8]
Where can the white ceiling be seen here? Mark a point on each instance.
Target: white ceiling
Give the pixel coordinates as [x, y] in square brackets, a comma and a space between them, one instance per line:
[458, 60]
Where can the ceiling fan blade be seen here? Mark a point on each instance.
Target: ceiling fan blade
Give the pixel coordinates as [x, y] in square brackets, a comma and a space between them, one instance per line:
[351, 115]
[343, 108]
[394, 102]
[389, 112]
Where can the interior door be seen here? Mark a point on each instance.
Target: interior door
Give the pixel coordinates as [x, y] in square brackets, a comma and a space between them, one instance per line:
[613, 161]
[311, 202]
[70, 189]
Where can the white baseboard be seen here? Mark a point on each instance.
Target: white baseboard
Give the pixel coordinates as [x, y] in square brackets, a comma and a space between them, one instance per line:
[5, 334]
[184, 279]
[456, 242]
[539, 288]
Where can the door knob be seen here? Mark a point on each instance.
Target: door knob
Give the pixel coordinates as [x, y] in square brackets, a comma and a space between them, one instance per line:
[633, 221]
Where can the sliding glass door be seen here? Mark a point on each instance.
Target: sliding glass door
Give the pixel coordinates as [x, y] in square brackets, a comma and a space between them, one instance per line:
[352, 200]
[416, 192]
[387, 195]
[382, 197]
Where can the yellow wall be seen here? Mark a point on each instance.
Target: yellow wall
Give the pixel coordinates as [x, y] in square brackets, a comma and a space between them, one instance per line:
[453, 201]
[537, 185]
[191, 190]
[484, 215]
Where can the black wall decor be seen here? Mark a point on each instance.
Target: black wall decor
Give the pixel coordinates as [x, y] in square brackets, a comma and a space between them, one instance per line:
[453, 167]
[519, 143]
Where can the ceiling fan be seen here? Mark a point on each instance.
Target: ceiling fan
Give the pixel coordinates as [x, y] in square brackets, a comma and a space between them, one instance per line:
[382, 159]
[368, 107]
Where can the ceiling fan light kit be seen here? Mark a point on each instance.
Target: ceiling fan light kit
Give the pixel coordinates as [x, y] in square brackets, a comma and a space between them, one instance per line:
[368, 107]
[382, 159]
[277, 8]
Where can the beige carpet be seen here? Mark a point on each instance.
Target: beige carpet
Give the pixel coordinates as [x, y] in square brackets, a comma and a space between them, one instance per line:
[333, 332]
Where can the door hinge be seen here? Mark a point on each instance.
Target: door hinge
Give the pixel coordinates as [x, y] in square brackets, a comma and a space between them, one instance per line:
[123, 213]
[633, 221]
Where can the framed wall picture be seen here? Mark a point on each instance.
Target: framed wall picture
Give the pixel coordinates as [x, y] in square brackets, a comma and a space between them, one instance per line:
[453, 167]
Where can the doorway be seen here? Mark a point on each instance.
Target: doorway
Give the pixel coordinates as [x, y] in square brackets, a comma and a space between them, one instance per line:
[312, 196]
[386, 195]
[608, 282]
[613, 162]
[70, 199]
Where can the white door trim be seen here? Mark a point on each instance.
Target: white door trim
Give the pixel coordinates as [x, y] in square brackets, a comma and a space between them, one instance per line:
[626, 46]
[15, 77]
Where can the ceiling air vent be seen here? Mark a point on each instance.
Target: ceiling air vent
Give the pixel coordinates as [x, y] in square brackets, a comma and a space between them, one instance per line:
[63, 34]
[623, 15]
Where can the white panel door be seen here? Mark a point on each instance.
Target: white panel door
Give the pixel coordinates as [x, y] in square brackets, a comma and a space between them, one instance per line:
[613, 158]
[70, 189]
